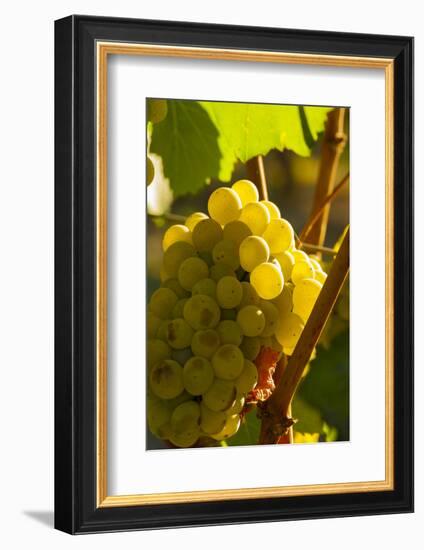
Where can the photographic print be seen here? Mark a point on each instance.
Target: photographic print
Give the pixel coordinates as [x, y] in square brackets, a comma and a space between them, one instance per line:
[247, 223]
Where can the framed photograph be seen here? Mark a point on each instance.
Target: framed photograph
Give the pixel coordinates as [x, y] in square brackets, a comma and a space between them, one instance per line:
[234, 274]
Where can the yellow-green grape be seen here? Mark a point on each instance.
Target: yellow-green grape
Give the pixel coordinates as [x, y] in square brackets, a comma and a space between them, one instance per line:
[157, 110]
[185, 439]
[228, 292]
[253, 251]
[237, 406]
[256, 216]
[179, 333]
[228, 362]
[224, 205]
[166, 379]
[178, 309]
[231, 427]
[175, 255]
[162, 333]
[150, 171]
[267, 280]
[163, 275]
[305, 295]
[226, 252]
[250, 296]
[236, 231]
[175, 286]
[153, 323]
[174, 234]
[315, 264]
[158, 416]
[181, 356]
[185, 424]
[271, 318]
[320, 276]
[162, 301]
[251, 320]
[191, 271]
[221, 395]
[211, 421]
[299, 255]
[273, 209]
[228, 314]
[279, 235]
[302, 270]
[206, 234]
[246, 190]
[157, 351]
[201, 312]
[220, 270]
[284, 301]
[205, 343]
[205, 286]
[250, 347]
[289, 330]
[198, 375]
[248, 378]
[286, 261]
[194, 219]
[229, 332]
[206, 256]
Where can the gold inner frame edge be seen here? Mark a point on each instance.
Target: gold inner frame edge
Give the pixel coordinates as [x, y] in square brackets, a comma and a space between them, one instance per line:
[103, 49]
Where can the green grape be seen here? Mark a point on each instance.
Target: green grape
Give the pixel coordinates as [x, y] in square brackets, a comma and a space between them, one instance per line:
[150, 171]
[194, 219]
[231, 427]
[228, 292]
[211, 421]
[228, 314]
[284, 301]
[305, 294]
[220, 396]
[175, 286]
[201, 312]
[299, 255]
[206, 234]
[185, 439]
[224, 205]
[198, 375]
[302, 270]
[236, 232]
[254, 250]
[246, 190]
[226, 252]
[286, 261]
[289, 330]
[157, 110]
[185, 424]
[205, 286]
[228, 362]
[162, 301]
[256, 216]
[163, 275]
[162, 333]
[315, 264]
[271, 318]
[157, 351]
[175, 255]
[320, 276]
[158, 416]
[273, 209]
[166, 379]
[153, 323]
[251, 320]
[178, 309]
[250, 296]
[191, 271]
[237, 406]
[181, 356]
[279, 235]
[267, 280]
[248, 378]
[205, 343]
[220, 270]
[179, 334]
[174, 234]
[250, 347]
[230, 332]
[206, 256]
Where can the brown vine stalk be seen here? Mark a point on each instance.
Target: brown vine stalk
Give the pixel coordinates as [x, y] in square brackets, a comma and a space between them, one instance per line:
[256, 173]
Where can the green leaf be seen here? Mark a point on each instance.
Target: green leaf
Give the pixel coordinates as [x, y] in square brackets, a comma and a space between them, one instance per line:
[187, 141]
[248, 130]
[308, 417]
[248, 433]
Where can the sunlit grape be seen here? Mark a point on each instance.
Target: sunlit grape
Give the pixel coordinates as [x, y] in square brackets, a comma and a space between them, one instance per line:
[194, 219]
[256, 216]
[279, 235]
[224, 205]
[253, 251]
[273, 209]
[267, 280]
[206, 234]
[246, 190]
[174, 234]
[251, 320]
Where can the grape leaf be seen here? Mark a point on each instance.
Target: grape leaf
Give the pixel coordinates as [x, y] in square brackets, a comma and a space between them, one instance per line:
[248, 130]
[248, 433]
[308, 417]
[187, 141]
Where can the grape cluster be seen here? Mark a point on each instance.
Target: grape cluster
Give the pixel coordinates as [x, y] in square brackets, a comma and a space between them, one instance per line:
[232, 284]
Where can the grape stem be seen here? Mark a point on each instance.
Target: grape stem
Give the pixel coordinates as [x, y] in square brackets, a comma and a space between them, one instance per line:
[256, 173]
[276, 421]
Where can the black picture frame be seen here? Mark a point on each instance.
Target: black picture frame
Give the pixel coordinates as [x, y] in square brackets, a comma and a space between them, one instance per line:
[76, 510]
